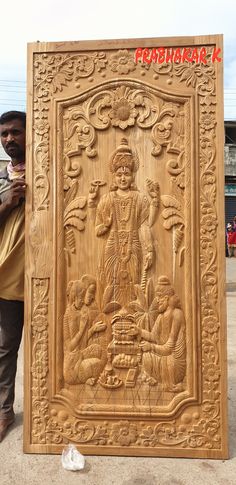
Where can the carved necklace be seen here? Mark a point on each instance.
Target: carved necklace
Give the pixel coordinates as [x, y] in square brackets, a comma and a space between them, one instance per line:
[123, 208]
[124, 211]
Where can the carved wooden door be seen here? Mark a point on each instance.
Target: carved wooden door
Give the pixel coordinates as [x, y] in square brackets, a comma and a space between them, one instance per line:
[125, 311]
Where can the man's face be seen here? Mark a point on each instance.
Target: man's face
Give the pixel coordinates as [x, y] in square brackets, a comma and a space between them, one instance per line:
[162, 303]
[90, 294]
[12, 135]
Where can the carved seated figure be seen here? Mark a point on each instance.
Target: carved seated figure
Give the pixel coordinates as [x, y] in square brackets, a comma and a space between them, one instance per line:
[164, 348]
[82, 362]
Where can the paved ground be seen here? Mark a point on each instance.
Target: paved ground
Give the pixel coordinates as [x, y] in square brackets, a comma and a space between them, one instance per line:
[15, 467]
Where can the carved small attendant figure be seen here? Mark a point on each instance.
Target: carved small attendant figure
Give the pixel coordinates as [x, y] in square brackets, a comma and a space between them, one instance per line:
[164, 348]
[122, 216]
[82, 363]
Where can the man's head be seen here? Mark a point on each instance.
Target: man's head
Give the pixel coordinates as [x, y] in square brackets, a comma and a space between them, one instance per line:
[12, 134]
[163, 291]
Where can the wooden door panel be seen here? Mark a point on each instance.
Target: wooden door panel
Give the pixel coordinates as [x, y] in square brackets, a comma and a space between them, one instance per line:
[125, 314]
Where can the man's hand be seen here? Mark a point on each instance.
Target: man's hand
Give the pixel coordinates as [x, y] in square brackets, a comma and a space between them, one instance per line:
[134, 330]
[145, 346]
[99, 326]
[108, 221]
[15, 192]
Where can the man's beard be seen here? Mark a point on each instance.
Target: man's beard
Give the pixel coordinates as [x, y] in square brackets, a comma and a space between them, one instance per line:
[14, 151]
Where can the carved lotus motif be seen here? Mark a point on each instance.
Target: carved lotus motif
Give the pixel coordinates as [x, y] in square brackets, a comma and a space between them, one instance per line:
[123, 113]
[39, 369]
[122, 62]
[212, 372]
[211, 324]
[41, 127]
[209, 224]
[124, 433]
[207, 121]
[39, 323]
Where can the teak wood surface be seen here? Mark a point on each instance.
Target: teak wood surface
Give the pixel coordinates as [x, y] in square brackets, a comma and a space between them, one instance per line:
[125, 322]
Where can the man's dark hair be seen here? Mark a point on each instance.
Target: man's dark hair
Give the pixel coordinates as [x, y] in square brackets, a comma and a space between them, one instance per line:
[13, 115]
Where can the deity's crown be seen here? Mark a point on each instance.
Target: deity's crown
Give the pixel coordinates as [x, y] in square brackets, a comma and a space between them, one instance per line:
[123, 156]
[164, 286]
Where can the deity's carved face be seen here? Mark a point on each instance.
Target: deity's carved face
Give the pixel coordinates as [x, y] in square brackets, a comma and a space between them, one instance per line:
[123, 178]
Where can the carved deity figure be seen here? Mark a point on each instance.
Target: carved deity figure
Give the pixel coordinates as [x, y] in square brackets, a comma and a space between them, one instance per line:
[122, 218]
[164, 348]
[82, 362]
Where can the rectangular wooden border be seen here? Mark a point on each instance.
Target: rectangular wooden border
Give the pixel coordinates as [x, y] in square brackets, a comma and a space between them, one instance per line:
[118, 44]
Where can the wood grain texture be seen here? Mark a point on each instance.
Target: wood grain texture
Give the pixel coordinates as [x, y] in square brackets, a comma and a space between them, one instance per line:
[125, 321]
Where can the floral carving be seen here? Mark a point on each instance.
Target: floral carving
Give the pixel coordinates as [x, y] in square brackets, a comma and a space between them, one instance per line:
[85, 64]
[212, 372]
[78, 134]
[122, 62]
[54, 72]
[64, 427]
[123, 112]
[200, 76]
[207, 121]
[124, 433]
[162, 130]
[127, 106]
[210, 223]
[39, 366]
[208, 258]
[176, 169]
[41, 127]
[210, 324]
[192, 432]
[121, 107]
[208, 104]
[41, 169]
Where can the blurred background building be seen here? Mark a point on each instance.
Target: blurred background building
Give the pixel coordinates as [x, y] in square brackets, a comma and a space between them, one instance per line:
[230, 170]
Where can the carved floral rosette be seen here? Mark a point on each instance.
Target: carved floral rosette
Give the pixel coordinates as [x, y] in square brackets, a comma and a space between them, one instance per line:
[51, 423]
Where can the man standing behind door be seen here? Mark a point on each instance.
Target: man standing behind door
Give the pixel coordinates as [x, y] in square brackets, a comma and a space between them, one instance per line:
[12, 212]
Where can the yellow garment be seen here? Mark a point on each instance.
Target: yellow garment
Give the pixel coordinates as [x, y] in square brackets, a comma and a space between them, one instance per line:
[12, 235]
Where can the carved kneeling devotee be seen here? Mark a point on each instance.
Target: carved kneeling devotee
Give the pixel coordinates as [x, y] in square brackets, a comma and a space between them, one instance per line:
[82, 362]
[164, 348]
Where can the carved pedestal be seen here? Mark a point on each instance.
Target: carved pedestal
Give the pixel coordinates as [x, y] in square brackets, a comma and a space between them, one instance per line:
[125, 311]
